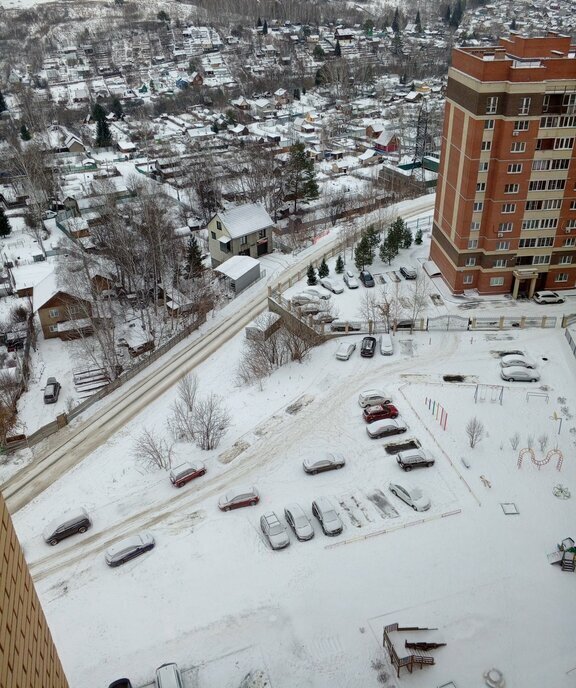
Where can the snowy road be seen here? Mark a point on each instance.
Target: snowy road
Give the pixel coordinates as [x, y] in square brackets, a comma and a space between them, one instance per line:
[71, 445]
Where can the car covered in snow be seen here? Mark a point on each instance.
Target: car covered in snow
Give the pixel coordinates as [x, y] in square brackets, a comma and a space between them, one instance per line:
[413, 458]
[238, 497]
[332, 284]
[318, 293]
[385, 428]
[51, 391]
[411, 495]
[329, 462]
[368, 347]
[128, 549]
[324, 511]
[366, 278]
[301, 299]
[517, 360]
[299, 522]
[372, 397]
[386, 345]
[379, 412]
[519, 374]
[345, 325]
[185, 472]
[408, 272]
[274, 530]
[345, 350]
[350, 281]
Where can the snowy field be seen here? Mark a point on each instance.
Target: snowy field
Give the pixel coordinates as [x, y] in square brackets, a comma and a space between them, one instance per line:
[214, 598]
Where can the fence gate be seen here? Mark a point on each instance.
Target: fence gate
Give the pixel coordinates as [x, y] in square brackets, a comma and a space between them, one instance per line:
[448, 322]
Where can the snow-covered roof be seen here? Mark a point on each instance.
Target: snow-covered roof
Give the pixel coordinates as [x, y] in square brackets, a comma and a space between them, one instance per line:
[44, 291]
[237, 266]
[245, 219]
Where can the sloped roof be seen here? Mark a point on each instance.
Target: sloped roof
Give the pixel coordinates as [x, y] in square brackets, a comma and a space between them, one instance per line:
[237, 266]
[245, 219]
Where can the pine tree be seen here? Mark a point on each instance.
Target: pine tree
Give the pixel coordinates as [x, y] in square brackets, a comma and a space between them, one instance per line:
[303, 91]
[24, 133]
[418, 237]
[456, 17]
[265, 28]
[5, 227]
[296, 94]
[387, 253]
[418, 22]
[103, 135]
[300, 176]
[396, 22]
[259, 22]
[338, 49]
[339, 265]
[98, 113]
[323, 270]
[194, 258]
[363, 253]
[311, 276]
[3, 106]
[448, 15]
[116, 108]
[406, 238]
[513, 24]
[319, 79]
[372, 236]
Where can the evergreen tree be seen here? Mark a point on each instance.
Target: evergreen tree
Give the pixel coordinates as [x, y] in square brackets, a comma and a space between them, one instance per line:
[448, 15]
[513, 24]
[418, 22]
[339, 265]
[372, 236]
[418, 237]
[163, 16]
[296, 94]
[103, 135]
[194, 258]
[338, 49]
[319, 79]
[215, 128]
[264, 28]
[394, 238]
[5, 227]
[456, 17]
[396, 22]
[300, 176]
[98, 113]
[311, 276]
[24, 133]
[323, 270]
[3, 106]
[363, 253]
[116, 108]
[303, 91]
[259, 22]
[318, 52]
[406, 238]
[397, 48]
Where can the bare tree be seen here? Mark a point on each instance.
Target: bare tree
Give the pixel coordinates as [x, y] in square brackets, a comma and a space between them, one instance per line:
[181, 420]
[530, 441]
[153, 451]
[475, 431]
[543, 442]
[187, 390]
[211, 419]
[417, 298]
[515, 441]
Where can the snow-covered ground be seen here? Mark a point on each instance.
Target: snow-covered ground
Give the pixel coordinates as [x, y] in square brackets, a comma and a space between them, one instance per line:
[214, 598]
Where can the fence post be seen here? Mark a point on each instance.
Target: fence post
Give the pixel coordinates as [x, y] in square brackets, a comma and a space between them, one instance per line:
[501, 323]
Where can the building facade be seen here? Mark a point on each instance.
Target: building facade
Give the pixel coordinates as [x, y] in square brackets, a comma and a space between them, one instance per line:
[246, 230]
[28, 657]
[505, 215]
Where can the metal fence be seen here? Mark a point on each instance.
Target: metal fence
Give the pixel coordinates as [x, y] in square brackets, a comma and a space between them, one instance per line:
[570, 340]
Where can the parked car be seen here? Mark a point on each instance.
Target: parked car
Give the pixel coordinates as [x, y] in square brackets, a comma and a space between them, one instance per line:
[51, 391]
[385, 427]
[517, 360]
[324, 511]
[372, 397]
[185, 472]
[386, 345]
[327, 463]
[368, 347]
[408, 272]
[274, 531]
[121, 683]
[239, 497]
[332, 284]
[323, 317]
[379, 412]
[301, 299]
[169, 676]
[413, 496]
[366, 278]
[519, 374]
[345, 325]
[128, 549]
[345, 350]
[350, 281]
[413, 458]
[312, 308]
[299, 522]
[548, 297]
[67, 525]
[318, 293]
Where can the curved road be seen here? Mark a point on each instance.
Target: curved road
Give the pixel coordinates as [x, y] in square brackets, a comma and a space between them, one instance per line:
[71, 446]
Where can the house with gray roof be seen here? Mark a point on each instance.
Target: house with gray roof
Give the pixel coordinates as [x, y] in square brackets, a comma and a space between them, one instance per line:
[245, 230]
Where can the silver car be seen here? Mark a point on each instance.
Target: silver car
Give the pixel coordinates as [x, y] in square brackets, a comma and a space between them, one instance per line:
[517, 360]
[329, 462]
[413, 496]
[519, 374]
[332, 284]
[548, 297]
[350, 280]
[385, 427]
[373, 397]
[274, 530]
[327, 515]
[127, 549]
[299, 522]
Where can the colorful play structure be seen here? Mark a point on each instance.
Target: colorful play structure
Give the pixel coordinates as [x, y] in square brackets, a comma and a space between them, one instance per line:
[565, 555]
[553, 453]
[437, 410]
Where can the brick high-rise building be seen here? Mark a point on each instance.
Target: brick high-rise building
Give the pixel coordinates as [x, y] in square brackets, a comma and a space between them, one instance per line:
[505, 216]
[28, 658]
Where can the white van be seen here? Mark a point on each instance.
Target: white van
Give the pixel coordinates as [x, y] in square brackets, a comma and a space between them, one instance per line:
[168, 676]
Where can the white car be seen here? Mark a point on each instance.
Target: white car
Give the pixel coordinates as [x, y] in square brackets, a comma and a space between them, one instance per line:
[413, 496]
[333, 285]
[350, 280]
[345, 350]
[548, 297]
[519, 374]
[373, 397]
[127, 549]
[385, 428]
[318, 293]
[386, 345]
[312, 308]
[301, 299]
[516, 360]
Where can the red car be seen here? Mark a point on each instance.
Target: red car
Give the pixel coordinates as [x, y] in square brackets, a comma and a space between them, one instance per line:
[379, 412]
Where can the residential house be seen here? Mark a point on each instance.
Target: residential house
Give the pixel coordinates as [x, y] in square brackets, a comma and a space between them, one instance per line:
[387, 143]
[242, 231]
[61, 314]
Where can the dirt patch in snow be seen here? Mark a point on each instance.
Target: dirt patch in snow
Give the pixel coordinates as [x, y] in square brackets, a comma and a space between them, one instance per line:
[235, 450]
[299, 404]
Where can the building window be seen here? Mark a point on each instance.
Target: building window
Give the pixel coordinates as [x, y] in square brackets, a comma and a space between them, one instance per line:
[540, 165]
[549, 223]
[540, 260]
[530, 224]
[572, 205]
[474, 226]
[218, 225]
[492, 105]
[569, 101]
[518, 147]
[486, 145]
[500, 263]
[537, 185]
[53, 328]
[556, 184]
[511, 188]
[505, 226]
[472, 243]
[508, 208]
[565, 260]
[243, 240]
[496, 281]
[548, 122]
[545, 242]
[54, 313]
[527, 243]
[468, 279]
[483, 166]
[503, 246]
[564, 143]
[478, 207]
[524, 106]
[521, 125]
[561, 277]
[560, 164]
[262, 234]
[568, 122]
[489, 124]
[470, 262]
[571, 224]
[515, 168]
[552, 204]
[481, 186]
[570, 241]
[545, 103]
